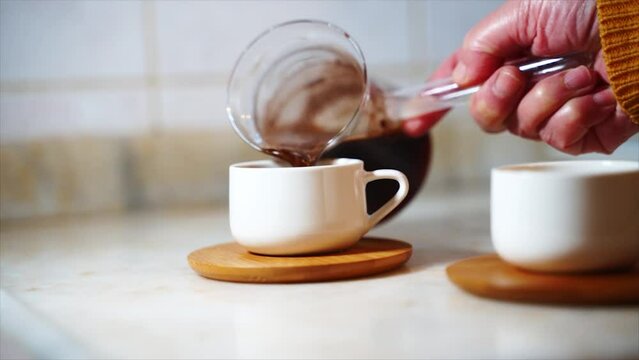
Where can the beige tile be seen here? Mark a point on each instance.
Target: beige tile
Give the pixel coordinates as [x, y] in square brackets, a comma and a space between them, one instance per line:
[464, 154]
[455, 150]
[84, 174]
[61, 176]
[18, 181]
[183, 168]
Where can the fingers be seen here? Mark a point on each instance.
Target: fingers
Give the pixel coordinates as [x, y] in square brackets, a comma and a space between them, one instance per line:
[548, 96]
[497, 98]
[487, 44]
[609, 134]
[572, 122]
[589, 123]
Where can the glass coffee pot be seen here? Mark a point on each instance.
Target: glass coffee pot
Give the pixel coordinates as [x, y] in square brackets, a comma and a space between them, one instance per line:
[301, 91]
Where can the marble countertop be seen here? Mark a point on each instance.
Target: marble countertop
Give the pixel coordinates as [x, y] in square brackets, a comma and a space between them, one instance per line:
[119, 286]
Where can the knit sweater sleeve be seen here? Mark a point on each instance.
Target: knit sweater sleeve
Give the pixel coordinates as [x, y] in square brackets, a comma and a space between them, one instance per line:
[619, 31]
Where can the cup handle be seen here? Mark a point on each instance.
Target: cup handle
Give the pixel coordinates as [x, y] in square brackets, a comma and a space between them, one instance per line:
[401, 193]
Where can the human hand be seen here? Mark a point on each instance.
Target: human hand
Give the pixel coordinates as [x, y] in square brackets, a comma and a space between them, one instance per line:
[574, 111]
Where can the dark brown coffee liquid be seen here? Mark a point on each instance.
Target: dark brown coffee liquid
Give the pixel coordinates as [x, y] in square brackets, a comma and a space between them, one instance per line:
[295, 158]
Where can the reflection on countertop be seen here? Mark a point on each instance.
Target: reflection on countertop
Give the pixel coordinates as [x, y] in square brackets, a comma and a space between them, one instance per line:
[115, 286]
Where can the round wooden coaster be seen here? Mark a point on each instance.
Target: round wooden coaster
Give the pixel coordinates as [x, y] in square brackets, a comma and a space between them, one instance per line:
[489, 276]
[231, 262]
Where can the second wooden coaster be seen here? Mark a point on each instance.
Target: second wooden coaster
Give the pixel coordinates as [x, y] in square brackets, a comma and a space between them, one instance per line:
[489, 276]
[231, 262]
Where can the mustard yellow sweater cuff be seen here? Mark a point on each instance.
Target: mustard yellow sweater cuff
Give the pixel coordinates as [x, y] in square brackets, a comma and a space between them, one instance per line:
[619, 31]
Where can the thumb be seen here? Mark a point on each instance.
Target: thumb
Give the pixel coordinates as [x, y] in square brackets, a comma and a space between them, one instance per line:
[494, 39]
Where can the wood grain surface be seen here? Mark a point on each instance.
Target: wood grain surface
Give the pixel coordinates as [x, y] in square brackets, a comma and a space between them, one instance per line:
[231, 262]
[489, 276]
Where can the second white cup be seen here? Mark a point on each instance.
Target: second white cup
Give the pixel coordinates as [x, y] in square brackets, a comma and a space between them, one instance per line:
[567, 216]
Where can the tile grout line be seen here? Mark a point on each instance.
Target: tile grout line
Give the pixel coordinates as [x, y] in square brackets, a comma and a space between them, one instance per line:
[152, 79]
[125, 82]
[111, 82]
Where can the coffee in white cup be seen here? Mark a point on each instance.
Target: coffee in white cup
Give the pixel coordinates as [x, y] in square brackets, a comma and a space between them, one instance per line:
[568, 216]
[276, 209]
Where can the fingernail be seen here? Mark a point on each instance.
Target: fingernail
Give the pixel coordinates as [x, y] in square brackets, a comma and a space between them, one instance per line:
[605, 98]
[488, 117]
[459, 74]
[506, 85]
[578, 78]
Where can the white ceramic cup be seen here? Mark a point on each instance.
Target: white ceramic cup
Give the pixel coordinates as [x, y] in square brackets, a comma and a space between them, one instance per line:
[568, 216]
[282, 210]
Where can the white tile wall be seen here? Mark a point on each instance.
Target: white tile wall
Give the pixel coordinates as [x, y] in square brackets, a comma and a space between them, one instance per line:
[204, 37]
[70, 39]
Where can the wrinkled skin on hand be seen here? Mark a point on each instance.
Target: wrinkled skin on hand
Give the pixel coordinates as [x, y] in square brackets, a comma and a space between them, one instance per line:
[574, 111]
